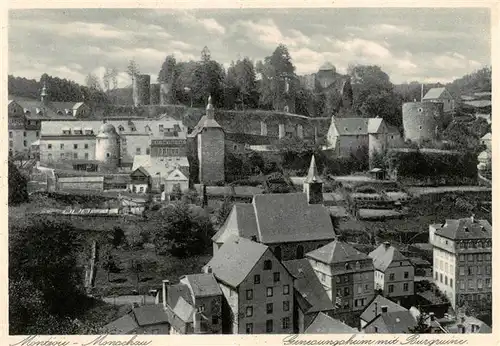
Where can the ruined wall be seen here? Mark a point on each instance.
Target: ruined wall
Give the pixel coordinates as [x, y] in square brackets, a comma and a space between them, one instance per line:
[154, 97]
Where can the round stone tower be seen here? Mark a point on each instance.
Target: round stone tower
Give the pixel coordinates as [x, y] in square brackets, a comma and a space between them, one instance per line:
[484, 166]
[421, 120]
[140, 89]
[107, 148]
[326, 75]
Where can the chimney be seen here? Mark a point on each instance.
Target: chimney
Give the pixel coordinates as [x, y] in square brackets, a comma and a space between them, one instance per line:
[209, 269]
[384, 309]
[166, 283]
[472, 218]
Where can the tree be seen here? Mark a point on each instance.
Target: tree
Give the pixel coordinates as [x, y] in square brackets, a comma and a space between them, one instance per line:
[136, 267]
[373, 94]
[133, 69]
[273, 70]
[18, 185]
[42, 251]
[118, 237]
[168, 70]
[241, 81]
[176, 193]
[182, 229]
[92, 82]
[422, 326]
[224, 210]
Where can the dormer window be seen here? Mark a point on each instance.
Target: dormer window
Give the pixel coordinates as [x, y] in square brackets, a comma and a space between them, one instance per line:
[59, 112]
[66, 131]
[160, 127]
[77, 131]
[68, 111]
[345, 128]
[25, 110]
[132, 128]
[147, 128]
[38, 111]
[121, 128]
[89, 131]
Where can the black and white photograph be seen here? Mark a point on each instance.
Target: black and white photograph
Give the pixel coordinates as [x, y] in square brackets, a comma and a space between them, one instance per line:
[249, 171]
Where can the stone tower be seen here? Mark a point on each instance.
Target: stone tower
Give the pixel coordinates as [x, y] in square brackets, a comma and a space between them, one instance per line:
[107, 149]
[44, 97]
[313, 185]
[211, 153]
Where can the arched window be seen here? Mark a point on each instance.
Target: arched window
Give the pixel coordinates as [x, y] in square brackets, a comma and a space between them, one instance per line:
[108, 154]
[277, 252]
[300, 252]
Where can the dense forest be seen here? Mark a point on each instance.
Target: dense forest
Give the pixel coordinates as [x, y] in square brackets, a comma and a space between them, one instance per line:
[238, 86]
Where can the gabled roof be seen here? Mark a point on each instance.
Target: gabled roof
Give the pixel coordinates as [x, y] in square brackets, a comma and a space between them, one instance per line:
[123, 325]
[434, 93]
[240, 222]
[486, 136]
[308, 287]
[351, 126]
[324, 324]
[384, 255]
[465, 229]
[203, 285]
[180, 301]
[369, 313]
[162, 165]
[141, 170]
[205, 122]
[398, 322]
[150, 314]
[288, 217]
[235, 259]
[375, 125]
[337, 252]
[176, 174]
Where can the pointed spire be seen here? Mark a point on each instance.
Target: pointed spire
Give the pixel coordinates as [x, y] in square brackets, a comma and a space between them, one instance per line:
[313, 176]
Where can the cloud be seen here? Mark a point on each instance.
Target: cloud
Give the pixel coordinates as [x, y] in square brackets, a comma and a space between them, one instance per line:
[363, 48]
[454, 61]
[213, 26]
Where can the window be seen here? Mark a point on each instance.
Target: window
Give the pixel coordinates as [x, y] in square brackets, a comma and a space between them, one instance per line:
[108, 154]
[391, 277]
[25, 143]
[75, 155]
[436, 276]
[480, 284]
[10, 134]
[367, 287]
[445, 280]
[75, 146]
[441, 277]
[451, 282]
[269, 308]
[138, 151]
[160, 127]
[86, 156]
[346, 304]
[269, 292]
[61, 156]
[155, 331]
[49, 157]
[461, 258]
[461, 270]
[346, 291]
[407, 275]
[360, 288]
[249, 328]
[470, 270]
[478, 270]
[487, 282]
[61, 146]
[86, 146]
[268, 265]
[269, 326]
[249, 294]
[470, 257]
[37, 134]
[276, 277]
[420, 127]
[24, 134]
[49, 146]
[256, 279]
[148, 151]
[488, 269]
[462, 284]
[286, 289]
[391, 288]
[286, 322]
[479, 257]
[249, 311]
[215, 320]
[277, 252]
[286, 305]
[337, 279]
[201, 308]
[405, 287]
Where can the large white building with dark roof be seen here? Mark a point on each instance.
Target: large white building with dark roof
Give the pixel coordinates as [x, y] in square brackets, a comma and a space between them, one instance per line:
[462, 259]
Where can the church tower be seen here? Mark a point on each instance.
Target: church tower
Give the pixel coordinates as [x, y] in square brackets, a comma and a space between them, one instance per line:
[313, 185]
[44, 97]
[211, 153]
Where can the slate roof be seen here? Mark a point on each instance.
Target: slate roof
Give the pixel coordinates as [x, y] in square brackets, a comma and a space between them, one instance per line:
[180, 301]
[141, 170]
[243, 216]
[308, 287]
[369, 313]
[203, 285]
[337, 252]
[467, 323]
[398, 322]
[351, 126]
[205, 122]
[162, 165]
[374, 125]
[289, 218]
[434, 93]
[312, 174]
[150, 314]
[324, 324]
[123, 325]
[465, 229]
[384, 255]
[235, 259]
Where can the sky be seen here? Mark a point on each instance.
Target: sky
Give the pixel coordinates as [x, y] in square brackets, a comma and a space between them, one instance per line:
[424, 45]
